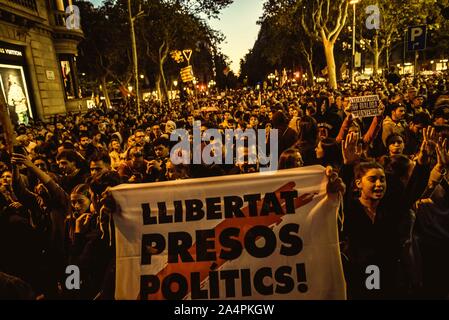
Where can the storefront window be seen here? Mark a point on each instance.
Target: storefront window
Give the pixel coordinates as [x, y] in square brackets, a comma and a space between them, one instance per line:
[13, 83]
[68, 71]
[14, 87]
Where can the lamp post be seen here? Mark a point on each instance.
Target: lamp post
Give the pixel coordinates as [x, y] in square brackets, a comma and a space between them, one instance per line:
[353, 2]
[271, 77]
[211, 85]
[134, 51]
[175, 83]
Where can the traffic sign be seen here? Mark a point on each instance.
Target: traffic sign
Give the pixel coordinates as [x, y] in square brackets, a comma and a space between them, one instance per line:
[187, 54]
[417, 38]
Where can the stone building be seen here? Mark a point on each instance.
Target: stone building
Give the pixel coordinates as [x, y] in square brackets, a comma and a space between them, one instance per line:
[38, 50]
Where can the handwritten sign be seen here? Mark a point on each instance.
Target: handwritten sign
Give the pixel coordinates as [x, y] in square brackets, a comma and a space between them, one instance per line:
[366, 106]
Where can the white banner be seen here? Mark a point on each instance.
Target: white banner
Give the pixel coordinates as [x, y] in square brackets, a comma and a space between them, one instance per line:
[253, 236]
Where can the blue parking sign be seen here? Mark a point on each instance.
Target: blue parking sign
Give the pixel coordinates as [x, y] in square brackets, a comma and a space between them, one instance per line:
[417, 37]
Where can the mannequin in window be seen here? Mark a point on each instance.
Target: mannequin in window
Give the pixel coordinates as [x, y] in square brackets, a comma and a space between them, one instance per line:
[17, 99]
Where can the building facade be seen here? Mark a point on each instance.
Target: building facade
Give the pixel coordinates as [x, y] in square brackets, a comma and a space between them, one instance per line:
[38, 50]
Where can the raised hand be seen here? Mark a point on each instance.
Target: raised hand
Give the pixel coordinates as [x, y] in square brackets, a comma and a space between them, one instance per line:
[381, 108]
[428, 145]
[442, 155]
[18, 158]
[351, 149]
[82, 223]
[15, 205]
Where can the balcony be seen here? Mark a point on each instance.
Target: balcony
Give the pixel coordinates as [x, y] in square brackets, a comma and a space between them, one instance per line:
[29, 4]
[63, 29]
[21, 12]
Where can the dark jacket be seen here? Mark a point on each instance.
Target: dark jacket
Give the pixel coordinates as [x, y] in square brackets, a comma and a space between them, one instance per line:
[377, 243]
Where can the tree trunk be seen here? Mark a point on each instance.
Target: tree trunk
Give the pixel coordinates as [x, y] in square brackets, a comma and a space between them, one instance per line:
[330, 60]
[376, 54]
[105, 92]
[308, 54]
[310, 73]
[135, 60]
[164, 83]
[158, 88]
[388, 57]
[376, 63]
[163, 51]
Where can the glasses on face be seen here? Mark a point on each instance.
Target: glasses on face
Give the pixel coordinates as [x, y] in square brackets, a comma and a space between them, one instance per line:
[140, 136]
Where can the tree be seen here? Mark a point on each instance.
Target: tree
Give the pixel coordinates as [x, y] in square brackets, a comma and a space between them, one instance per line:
[106, 55]
[325, 19]
[101, 56]
[175, 25]
[288, 34]
[392, 24]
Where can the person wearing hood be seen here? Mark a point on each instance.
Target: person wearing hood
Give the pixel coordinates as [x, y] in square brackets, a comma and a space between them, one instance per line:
[287, 137]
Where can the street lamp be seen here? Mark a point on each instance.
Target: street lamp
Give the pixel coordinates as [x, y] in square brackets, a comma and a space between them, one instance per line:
[211, 85]
[271, 77]
[353, 2]
[134, 51]
[175, 83]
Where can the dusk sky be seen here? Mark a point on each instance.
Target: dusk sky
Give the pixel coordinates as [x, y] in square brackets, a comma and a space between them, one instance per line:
[238, 23]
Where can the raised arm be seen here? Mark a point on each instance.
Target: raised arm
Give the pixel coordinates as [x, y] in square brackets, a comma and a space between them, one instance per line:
[375, 126]
[56, 192]
[24, 160]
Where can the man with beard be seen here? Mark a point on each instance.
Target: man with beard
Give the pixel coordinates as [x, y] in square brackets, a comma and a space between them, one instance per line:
[85, 146]
[394, 122]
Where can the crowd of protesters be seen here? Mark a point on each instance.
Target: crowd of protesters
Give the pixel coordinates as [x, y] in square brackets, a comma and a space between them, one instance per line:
[55, 209]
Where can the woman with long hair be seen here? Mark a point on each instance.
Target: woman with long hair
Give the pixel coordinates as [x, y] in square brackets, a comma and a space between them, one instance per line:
[290, 158]
[328, 153]
[79, 215]
[307, 132]
[373, 224]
